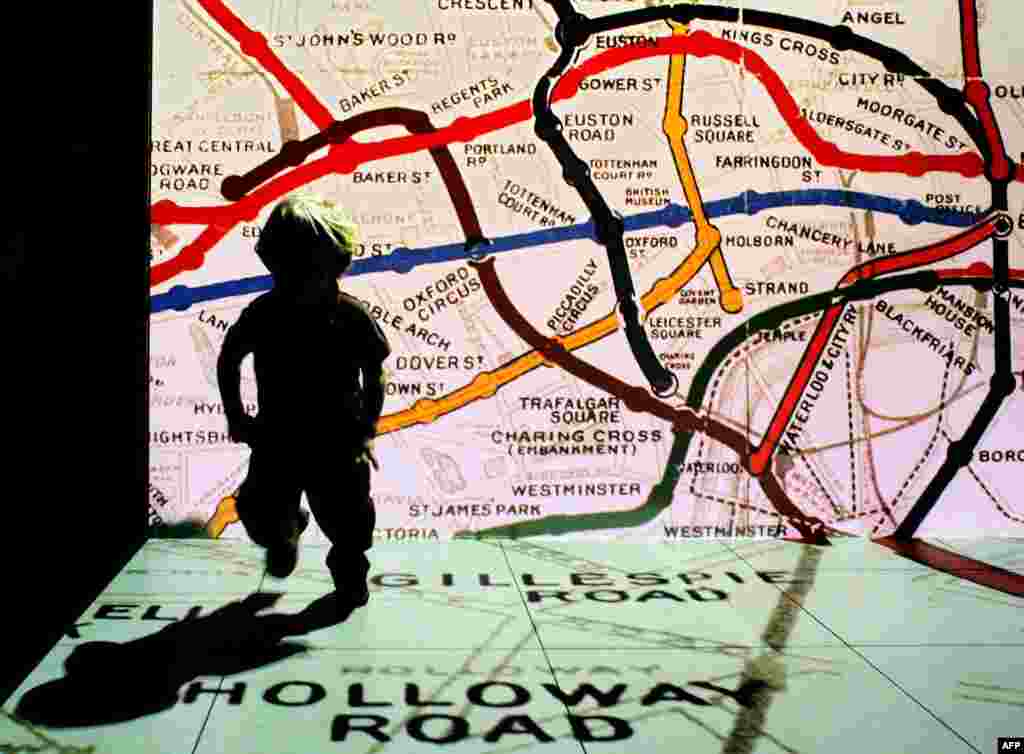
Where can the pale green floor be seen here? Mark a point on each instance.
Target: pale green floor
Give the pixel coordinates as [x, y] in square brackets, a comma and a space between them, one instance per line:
[872, 653]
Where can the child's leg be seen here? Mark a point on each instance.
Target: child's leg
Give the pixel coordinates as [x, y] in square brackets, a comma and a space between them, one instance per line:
[341, 503]
[268, 501]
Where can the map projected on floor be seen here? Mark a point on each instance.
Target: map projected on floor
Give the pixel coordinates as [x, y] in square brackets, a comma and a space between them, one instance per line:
[649, 271]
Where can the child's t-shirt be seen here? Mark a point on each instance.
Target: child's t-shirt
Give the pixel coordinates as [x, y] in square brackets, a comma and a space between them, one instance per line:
[307, 365]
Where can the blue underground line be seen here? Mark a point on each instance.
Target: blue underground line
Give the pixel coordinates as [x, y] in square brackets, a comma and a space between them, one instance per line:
[403, 260]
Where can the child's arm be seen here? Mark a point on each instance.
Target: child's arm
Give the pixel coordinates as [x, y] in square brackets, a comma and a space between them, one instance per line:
[237, 345]
[368, 341]
[373, 401]
[373, 394]
[376, 350]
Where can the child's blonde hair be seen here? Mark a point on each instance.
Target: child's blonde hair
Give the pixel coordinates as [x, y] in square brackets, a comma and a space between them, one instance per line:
[304, 234]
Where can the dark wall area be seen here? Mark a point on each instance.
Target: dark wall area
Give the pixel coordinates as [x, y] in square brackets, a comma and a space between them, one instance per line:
[73, 297]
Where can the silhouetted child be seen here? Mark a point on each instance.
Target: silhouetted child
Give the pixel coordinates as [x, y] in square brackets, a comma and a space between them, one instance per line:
[318, 356]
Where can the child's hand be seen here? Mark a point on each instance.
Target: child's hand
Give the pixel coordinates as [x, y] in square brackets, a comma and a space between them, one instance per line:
[243, 431]
[367, 456]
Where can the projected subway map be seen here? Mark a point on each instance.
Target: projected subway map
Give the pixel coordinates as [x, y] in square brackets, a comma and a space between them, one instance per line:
[649, 271]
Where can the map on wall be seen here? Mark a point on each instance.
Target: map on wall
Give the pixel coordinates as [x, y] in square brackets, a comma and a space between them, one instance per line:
[648, 270]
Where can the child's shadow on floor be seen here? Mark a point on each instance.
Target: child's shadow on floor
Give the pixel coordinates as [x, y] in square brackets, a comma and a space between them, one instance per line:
[108, 682]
